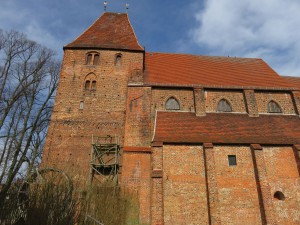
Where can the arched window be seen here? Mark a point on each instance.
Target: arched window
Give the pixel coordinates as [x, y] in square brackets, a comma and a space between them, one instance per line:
[224, 106]
[96, 59]
[273, 107]
[118, 60]
[87, 85]
[92, 58]
[172, 104]
[90, 82]
[93, 85]
[89, 59]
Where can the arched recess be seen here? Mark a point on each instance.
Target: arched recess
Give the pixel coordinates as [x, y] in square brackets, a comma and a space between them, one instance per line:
[118, 60]
[224, 106]
[172, 104]
[90, 82]
[274, 107]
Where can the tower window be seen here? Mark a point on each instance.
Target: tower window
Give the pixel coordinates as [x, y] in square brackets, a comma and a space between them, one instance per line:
[93, 85]
[224, 106]
[96, 59]
[118, 60]
[89, 59]
[232, 160]
[172, 104]
[273, 107]
[92, 58]
[87, 85]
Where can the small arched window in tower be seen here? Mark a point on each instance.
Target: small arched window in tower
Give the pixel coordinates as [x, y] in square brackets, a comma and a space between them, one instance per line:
[279, 195]
[224, 106]
[96, 59]
[172, 104]
[93, 87]
[273, 107]
[118, 60]
[87, 85]
[89, 59]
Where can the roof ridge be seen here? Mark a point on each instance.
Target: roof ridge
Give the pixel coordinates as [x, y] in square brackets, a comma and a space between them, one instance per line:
[209, 56]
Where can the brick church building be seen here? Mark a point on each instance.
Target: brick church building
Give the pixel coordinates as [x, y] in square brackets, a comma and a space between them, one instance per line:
[202, 139]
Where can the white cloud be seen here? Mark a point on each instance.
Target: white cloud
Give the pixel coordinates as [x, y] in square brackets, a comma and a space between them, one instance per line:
[267, 29]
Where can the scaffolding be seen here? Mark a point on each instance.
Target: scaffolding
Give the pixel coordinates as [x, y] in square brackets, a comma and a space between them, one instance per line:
[105, 157]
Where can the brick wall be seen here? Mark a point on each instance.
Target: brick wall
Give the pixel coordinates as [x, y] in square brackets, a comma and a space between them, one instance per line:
[136, 173]
[137, 128]
[283, 99]
[235, 98]
[282, 174]
[185, 194]
[238, 201]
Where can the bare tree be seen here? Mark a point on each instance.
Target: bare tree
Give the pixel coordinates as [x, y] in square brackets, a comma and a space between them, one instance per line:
[28, 80]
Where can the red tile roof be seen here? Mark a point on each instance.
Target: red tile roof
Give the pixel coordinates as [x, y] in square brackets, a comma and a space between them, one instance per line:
[295, 81]
[110, 31]
[209, 71]
[229, 128]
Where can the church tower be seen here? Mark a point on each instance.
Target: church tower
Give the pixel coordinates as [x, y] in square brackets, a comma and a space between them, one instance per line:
[92, 93]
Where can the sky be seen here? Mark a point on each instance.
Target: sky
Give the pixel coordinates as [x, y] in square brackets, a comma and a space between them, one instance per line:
[267, 29]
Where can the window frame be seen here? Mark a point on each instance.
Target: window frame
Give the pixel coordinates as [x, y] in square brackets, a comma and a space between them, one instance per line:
[232, 160]
[222, 108]
[168, 106]
[274, 107]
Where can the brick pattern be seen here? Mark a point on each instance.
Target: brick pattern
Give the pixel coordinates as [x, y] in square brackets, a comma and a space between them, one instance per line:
[237, 194]
[283, 99]
[283, 176]
[136, 175]
[157, 207]
[235, 98]
[212, 187]
[263, 187]
[199, 96]
[185, 199]
[296, 101]
[138, 117]
[251, 102]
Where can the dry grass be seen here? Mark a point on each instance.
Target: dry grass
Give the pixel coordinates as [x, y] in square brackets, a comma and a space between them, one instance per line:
[47, 203]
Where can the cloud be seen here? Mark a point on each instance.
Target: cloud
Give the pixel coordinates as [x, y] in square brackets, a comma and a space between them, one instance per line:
[267, 29]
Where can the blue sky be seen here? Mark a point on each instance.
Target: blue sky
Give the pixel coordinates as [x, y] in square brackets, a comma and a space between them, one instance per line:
[267, 29]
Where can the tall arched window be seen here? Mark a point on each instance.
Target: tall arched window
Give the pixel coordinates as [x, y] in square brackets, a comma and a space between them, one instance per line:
[89, 59]
[224, 106]
[87, 85]
[273, 107]
[96, 59]
[118, 60]
[172, 104]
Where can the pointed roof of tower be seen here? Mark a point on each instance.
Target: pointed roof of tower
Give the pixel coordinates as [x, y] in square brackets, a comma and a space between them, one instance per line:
[110, 31]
